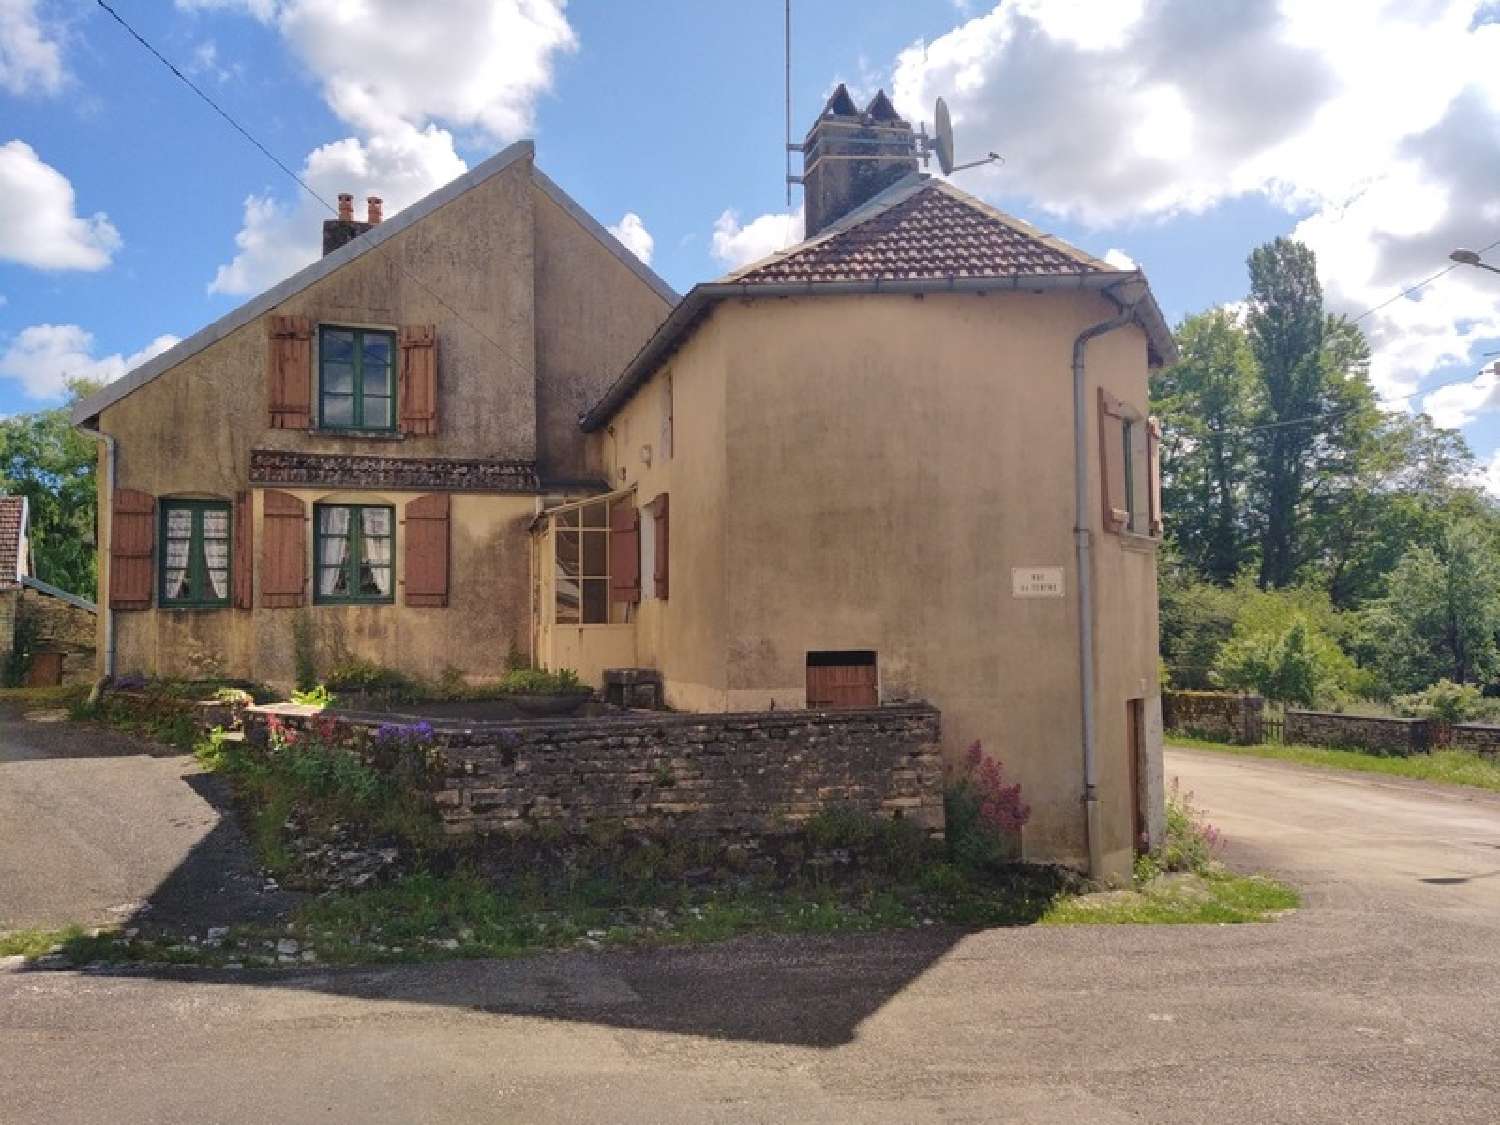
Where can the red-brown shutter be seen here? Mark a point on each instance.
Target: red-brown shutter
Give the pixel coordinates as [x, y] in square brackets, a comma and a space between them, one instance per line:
[663, 538]
[132, 542]
[624, 552]
[1116, 504]
[427, 550]
[1153, 468]
[289, 372]
[283, 551]
[243, 563]
[418, 390]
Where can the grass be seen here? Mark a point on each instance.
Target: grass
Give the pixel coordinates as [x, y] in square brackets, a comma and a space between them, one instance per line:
[65, 696]
[1220, 896]
[1449, 767]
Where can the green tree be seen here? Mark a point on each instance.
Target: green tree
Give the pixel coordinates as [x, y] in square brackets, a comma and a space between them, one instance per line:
[47, 461]
[1205, 404]
[1286, 327]
[1299, 665]
[1441, 613]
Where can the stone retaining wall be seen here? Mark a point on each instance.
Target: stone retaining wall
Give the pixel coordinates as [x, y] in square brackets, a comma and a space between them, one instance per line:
[1221, 715]
[755, 774]
[1360, 732]
[1481, 738]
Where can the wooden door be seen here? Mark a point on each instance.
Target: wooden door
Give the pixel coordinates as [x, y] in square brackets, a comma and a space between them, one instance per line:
[1135, 720]
[842, 681]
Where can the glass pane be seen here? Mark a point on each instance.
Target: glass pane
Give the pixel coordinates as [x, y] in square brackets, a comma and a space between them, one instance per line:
[595, 601]
[334, 520]
[568, 518]
[338, 378]
[567, 601]
[595, 564]
[216, 553]
[338, 410]
[567, 554]
[377, 352]
[177, 586]
[377, 380]
[218, 581]
[215, 523]
[375, 521]
[377, 412]
[332, 581]
[179, 523]
[374, 581]
[338, 345]
[596, 515]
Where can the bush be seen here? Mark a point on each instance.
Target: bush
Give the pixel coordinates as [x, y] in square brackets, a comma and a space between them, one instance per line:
[1188, 844]
[1299, 666]
[538, 681]
[1444, 702]
[367, 678]
[984, 815]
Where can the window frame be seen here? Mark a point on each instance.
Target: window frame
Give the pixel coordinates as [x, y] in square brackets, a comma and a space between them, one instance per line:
[570, 521]
[355, 561]
[197, 567]
[357, 390]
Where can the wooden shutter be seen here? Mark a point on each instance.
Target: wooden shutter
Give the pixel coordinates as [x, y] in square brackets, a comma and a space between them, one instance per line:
[289, 372]
[838, 687]
[1112, 462]
[1153, 468]
[663, 537]
[283, 559]
[132, 542]
[242, 565]
[427, 550]
[418, 390]
[624, 552]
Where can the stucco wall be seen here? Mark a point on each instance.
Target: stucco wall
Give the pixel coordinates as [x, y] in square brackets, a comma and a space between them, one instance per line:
[887, 461]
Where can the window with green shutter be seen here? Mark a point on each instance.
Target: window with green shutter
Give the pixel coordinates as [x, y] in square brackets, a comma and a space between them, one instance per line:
[354, 553]
[195, 553]
[356, 378]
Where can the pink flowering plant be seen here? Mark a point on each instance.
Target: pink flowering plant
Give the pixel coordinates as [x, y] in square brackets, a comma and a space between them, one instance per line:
[1190, 842]
[985, 813]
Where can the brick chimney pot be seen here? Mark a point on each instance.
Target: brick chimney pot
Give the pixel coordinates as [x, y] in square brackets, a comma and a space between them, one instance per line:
[346, 207]
[374, 203]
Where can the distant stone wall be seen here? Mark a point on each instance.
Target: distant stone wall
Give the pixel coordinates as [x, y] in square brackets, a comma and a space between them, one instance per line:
[1481, 738]
[1359, 732]
[754, 774]
[1214, 714]
[62, 627]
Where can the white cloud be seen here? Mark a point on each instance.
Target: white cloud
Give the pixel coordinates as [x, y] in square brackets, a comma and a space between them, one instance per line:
[632, 232]
[1460, 403]
[44, 357]
[1119, 260]
[276, 240]
[736, 244]
[38, 225]
[1382, 120]
[30, 52]
[1488, 476]
[400, 74]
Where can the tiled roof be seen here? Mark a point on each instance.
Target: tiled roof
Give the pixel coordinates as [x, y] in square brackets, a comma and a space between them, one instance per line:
[12, 516]
[922, 229]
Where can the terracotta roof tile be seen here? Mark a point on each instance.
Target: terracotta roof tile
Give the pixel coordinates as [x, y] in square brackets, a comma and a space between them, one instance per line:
[12, 512]
[935, 232]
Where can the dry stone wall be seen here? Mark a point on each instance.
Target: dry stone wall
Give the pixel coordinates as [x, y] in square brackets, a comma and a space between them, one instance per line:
[1226, 716]
[1359, 732]
[738, 775]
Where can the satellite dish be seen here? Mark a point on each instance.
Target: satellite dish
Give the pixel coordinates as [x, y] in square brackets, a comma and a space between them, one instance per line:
[943, 137]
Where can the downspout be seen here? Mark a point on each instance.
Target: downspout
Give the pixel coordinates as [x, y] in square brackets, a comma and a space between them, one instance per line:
[1081, 536]
[108, 506]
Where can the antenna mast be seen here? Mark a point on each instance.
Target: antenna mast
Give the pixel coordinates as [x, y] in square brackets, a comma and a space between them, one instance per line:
[788, 103]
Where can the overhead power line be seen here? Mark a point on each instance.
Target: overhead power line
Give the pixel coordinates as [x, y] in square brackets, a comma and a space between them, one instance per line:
[1426, 281]
[305, 186]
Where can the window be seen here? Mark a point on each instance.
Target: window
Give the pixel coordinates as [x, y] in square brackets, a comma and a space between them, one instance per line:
[842, 680]
[582, 550]
[1128, 428]
[354, 552]
[1130, 468]
[194, 553]
[356, 383]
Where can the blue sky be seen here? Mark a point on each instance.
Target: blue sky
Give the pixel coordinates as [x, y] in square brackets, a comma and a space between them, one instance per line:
[1179, 133]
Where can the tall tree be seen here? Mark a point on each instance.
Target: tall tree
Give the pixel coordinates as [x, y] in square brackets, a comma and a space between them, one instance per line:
[47, 461]
[1205, 403]
[1286, 326]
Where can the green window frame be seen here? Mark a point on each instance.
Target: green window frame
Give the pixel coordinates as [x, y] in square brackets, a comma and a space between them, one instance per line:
[356, 378]
[196, 549]
[354, 554]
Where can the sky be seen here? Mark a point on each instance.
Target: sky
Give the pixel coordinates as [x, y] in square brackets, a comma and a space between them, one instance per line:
[1174, 134]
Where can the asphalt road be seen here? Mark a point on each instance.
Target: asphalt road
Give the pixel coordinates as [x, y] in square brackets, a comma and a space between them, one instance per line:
[1380, 1001]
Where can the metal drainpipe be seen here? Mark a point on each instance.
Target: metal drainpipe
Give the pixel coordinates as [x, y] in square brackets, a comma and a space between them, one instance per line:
[1081, 537]
[109, 499]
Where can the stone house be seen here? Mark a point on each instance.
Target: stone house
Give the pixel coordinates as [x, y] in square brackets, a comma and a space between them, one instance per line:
[908, 458]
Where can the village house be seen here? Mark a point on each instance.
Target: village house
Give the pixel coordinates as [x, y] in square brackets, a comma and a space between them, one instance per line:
[908, 458]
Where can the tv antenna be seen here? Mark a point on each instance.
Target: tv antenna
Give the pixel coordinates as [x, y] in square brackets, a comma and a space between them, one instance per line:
[939, 144]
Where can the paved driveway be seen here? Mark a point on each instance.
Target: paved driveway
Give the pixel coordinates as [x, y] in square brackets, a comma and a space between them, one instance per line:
[1376, 1003]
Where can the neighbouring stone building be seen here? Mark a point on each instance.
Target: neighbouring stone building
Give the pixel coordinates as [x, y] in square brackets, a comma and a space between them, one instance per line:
[53, 630]
[907, 459]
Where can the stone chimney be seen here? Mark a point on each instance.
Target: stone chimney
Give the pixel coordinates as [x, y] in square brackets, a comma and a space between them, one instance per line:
[850, 156]
[337, 232]
[372, 215]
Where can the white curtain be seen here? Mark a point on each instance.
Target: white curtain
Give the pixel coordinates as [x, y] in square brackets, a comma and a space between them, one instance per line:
[179, 540]
[376, 525]
[216, 550]
[334, 552]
